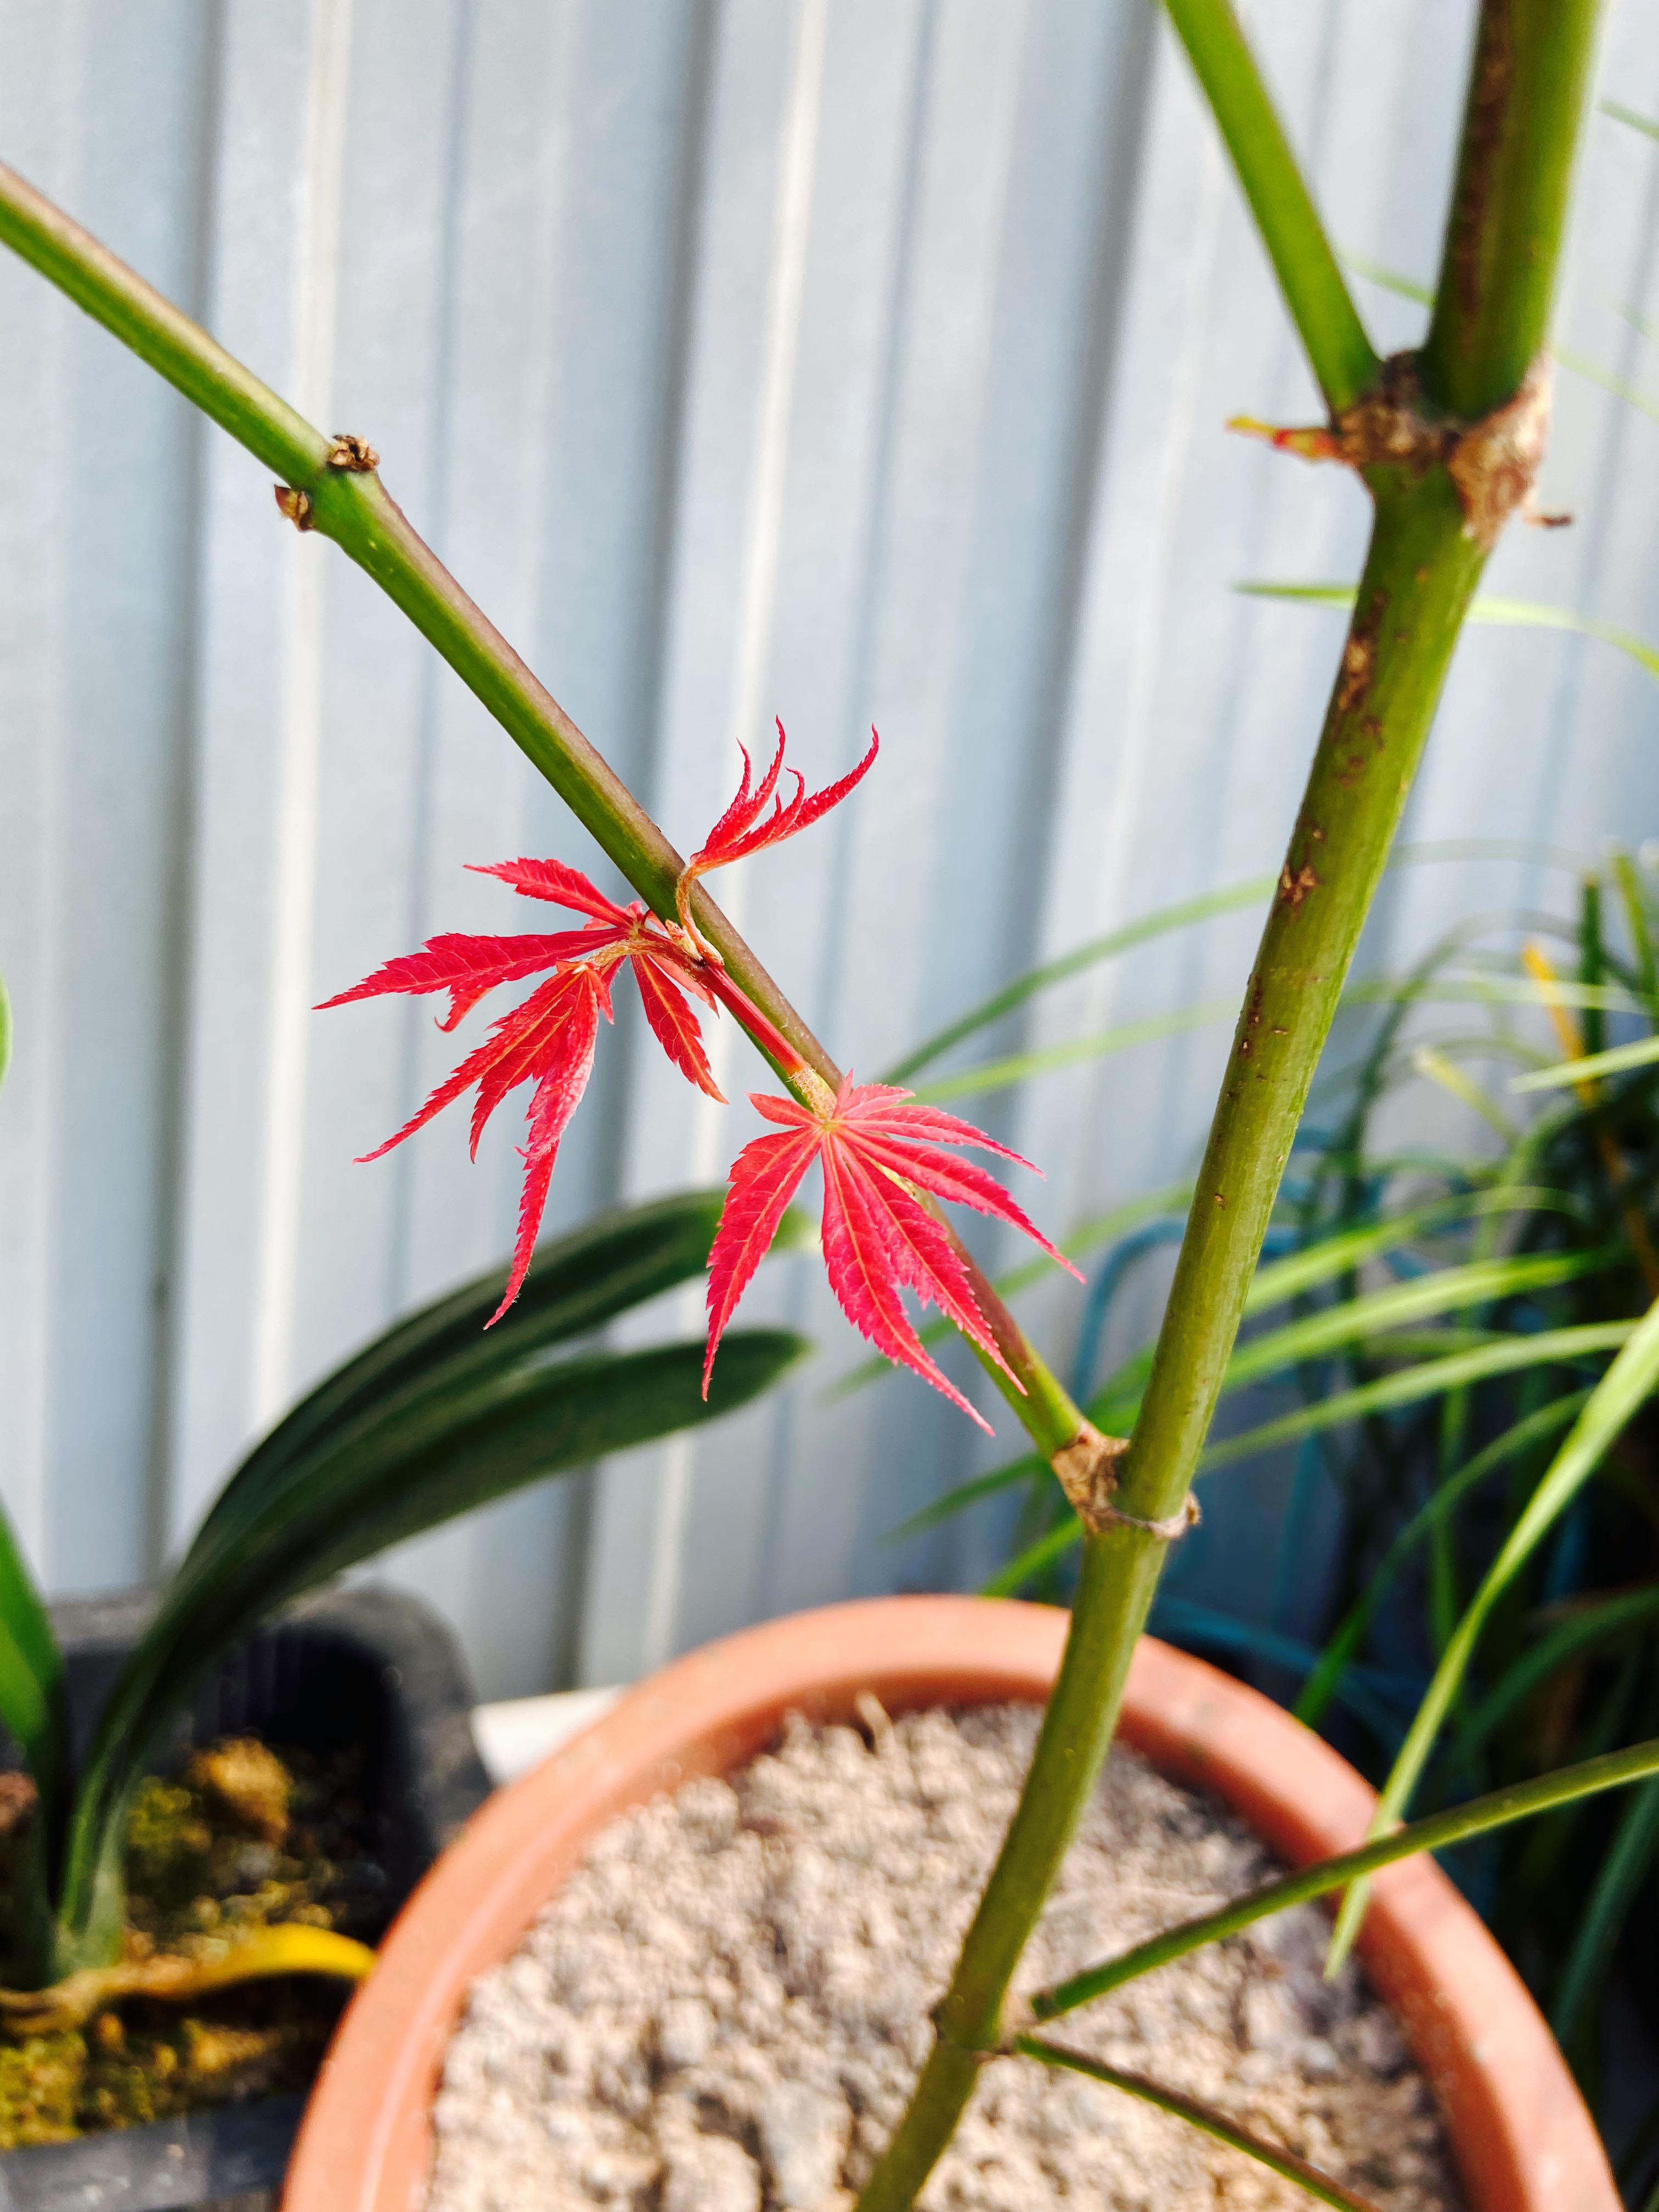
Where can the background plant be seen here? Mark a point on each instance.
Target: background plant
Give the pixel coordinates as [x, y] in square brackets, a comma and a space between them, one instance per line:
[431, 1419]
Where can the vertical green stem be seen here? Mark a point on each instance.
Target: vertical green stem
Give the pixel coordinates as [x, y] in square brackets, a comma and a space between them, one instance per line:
[1115, 1590]
[1527, 83]
[1420, 573]
[1419, 579]
[1420, 576]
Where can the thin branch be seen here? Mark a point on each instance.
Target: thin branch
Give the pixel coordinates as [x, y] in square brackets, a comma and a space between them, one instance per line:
[328, 491]
[1315, 291]
[1208, 2118]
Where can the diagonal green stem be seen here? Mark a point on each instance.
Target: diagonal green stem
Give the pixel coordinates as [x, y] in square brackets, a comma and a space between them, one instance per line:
[1315, 291]
[1438, 1833]
[355, 510]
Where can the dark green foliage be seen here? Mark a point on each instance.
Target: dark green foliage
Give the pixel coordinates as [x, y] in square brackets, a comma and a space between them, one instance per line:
[436, 1417]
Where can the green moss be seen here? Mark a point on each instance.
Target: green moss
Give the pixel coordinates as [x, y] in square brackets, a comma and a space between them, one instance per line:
[236, 1841]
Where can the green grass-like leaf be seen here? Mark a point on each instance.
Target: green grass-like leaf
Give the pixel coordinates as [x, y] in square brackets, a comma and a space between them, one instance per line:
[1499, 1809]
[1625, 1387]
[1631, 116]
[1432, 1378]
[1500, 613]
[1616, 1060]
[435, 1418]
[1183, 915]
[1344, 1646]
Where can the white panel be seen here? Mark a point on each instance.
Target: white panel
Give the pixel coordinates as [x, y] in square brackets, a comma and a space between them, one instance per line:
[850, 359]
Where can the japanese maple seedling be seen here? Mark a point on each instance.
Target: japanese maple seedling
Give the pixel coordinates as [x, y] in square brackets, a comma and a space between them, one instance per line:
[878, 1147]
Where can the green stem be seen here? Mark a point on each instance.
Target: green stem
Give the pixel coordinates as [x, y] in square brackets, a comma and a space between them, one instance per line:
[1439, 1832]
[1207, 2118]
[1420, 573]
[1527, 84]
[356, 512]
[1115, 1589]
[1315, 291]
[1419, 578]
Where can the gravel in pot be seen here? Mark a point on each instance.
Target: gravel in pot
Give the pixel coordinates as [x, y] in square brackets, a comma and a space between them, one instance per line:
[723, 2007]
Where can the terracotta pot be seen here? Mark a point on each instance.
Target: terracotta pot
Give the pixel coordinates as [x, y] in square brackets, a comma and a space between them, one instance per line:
[1521, 2136]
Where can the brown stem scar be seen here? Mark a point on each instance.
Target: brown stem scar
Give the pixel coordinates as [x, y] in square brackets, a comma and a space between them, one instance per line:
[1493, 463]
[295, 505]
[353, 454]
[1295, 888]
[1087, 1472]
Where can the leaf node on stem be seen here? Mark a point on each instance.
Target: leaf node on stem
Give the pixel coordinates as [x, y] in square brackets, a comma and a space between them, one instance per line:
[1493, 463]
[1087, 1472]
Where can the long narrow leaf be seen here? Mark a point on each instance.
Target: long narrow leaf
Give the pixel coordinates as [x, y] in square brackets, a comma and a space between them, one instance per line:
[1018, 1068]
[1493, 990]
[1584, 1628]
[962, 1495]
[1556, 1346]
[1631, 116]
[1624, 1388]
[352, 1498]
[1340, 1254]
[576, 1283]
[1043, 1553]
[1521, 1801]
[1448, 1290]
[1570, 1073]
[1342, 1647]
[1183, 916]
[1499, 613]
[1631, 1854]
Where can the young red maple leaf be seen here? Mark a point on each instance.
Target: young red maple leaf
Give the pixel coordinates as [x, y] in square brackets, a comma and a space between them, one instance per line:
[879, 1148]
[550, 1036]
[746, 827]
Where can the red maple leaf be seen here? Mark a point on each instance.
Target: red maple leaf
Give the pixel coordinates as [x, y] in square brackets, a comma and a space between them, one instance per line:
[550, 1036]
[878, 1147]
[746, 827]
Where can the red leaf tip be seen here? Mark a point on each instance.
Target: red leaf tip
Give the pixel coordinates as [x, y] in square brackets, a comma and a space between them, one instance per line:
[746, 827]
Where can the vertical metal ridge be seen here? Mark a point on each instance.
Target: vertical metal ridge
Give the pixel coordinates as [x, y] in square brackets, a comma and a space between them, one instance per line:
[423, 764]
[287, 1042]
[178, 927]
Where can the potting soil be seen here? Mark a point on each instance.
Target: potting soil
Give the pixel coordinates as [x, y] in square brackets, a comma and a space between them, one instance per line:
[725, 2006]
[241, 1839]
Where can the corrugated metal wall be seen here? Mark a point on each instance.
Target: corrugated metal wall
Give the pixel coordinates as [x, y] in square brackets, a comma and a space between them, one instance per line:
[856, 360]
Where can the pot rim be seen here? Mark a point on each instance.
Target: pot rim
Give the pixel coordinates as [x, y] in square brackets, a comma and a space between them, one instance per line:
[1521, 2137]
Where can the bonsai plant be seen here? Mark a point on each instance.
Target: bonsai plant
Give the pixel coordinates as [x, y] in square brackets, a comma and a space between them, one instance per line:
[1448, 442]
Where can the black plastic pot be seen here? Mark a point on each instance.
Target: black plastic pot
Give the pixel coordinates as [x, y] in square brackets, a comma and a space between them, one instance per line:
[366, 1668]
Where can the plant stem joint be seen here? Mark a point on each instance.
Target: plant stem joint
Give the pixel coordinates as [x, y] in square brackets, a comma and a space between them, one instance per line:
[1492, 461]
